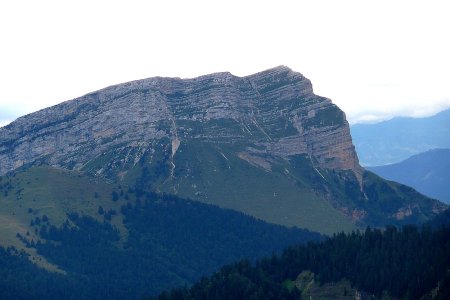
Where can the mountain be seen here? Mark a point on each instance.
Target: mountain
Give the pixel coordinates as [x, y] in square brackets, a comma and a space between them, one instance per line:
[127, 191]
[428, 173]
[263, 144]
[395, 140]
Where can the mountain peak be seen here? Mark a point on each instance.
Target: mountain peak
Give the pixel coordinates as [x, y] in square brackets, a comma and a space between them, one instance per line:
[237, 142]
[263, 105]
[275, 70]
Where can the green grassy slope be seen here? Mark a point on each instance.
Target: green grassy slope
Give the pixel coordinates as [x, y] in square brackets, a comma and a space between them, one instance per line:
[215, 174]
[41, 193]
[289, 192]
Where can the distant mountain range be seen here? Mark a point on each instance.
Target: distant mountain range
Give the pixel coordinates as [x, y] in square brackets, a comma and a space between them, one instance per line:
[428, 173]
[395, 140]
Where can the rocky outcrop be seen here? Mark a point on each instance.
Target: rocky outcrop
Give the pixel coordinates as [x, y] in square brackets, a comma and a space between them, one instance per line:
[274, 111]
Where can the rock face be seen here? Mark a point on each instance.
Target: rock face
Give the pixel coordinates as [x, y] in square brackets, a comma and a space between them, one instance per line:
[276, 110]
[264, 144]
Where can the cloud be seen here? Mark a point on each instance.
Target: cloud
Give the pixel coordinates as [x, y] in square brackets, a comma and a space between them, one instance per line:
[373, 102]
[375, 114]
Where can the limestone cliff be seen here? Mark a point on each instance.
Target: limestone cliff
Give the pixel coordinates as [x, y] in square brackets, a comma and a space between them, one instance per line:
[276, 110]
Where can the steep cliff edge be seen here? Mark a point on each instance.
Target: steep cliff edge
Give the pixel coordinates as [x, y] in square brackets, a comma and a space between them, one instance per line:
[263, 144]
[275, 109]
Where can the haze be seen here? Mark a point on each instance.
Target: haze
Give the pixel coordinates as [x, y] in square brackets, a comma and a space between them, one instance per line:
[375, 60]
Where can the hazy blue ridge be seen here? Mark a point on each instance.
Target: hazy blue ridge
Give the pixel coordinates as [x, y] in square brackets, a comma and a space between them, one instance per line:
[428, 173]
[399, 138]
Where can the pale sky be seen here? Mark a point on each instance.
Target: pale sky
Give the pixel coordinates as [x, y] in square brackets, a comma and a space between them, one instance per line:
[374, 59]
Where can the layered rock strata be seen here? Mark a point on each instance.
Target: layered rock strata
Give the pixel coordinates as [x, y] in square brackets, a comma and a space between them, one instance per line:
[274, 111]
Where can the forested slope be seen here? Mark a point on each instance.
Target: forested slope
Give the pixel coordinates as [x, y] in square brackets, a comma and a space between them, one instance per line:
[402, 263]
[170, 242]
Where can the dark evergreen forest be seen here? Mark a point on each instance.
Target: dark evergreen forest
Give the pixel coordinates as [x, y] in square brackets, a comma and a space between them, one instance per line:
[405, 263]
